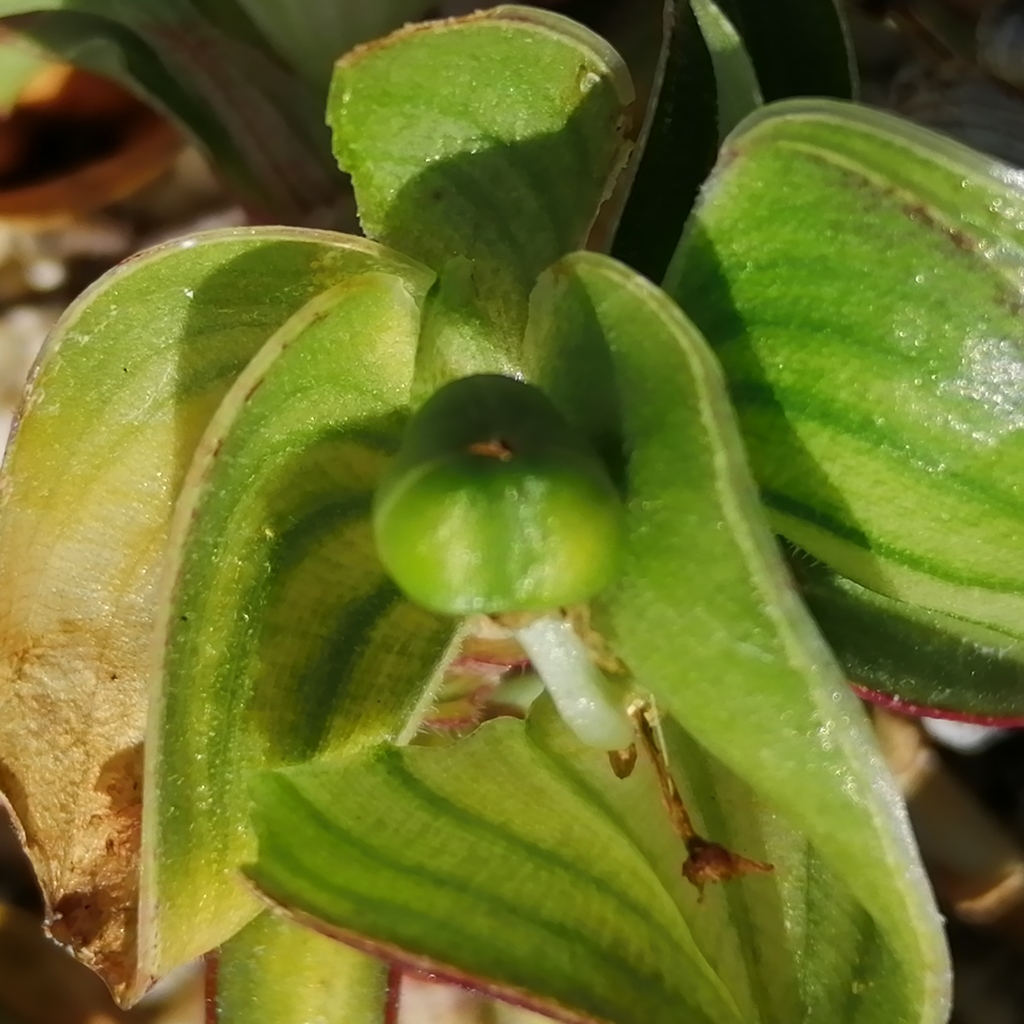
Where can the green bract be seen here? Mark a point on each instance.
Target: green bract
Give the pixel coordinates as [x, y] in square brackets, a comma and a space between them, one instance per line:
[495, 504]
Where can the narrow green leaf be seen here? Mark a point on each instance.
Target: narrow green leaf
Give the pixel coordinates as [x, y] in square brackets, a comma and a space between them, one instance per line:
[123, 391]
[274, 972]
[677, 146]
[704, 614]
[272, 117]
[492, 138]
[799, 47]
[279, 636]
[919, 658]
[739, 92]
[860, 280]
[486, 862]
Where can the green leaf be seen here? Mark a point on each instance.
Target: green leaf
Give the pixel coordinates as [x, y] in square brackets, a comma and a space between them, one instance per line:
[279, 637]
[492, 139]
[739, 92]
[704, 614]
[677, 146]
[487, 862]
[881, 398]
[492, 864]
[274, 972]
[798, 47]
[919, 658]
[272, 118]
[123, 391]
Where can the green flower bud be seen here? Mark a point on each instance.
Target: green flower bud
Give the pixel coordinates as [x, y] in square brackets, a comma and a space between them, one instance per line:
[495, 504]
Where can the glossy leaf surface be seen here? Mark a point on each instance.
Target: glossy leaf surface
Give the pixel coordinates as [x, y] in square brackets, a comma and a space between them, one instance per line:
[279, 637]
[501, 163]
[860, 281]
[736, 661]
[510, 849]
[122, 393]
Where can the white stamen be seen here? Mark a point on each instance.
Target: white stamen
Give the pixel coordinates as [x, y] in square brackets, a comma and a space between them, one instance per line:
[577, 686]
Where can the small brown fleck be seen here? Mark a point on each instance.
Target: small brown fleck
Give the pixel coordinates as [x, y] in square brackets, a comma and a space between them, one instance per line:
[708, 861]
[496, 449]
[623, 761]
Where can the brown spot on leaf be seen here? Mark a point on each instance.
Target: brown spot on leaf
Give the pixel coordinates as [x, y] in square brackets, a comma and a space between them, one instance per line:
[97, 918]
[78, 918]
[923, 215]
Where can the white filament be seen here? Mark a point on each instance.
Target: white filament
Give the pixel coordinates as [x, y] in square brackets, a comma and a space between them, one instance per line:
[577, 686]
